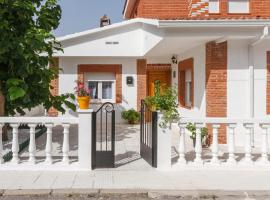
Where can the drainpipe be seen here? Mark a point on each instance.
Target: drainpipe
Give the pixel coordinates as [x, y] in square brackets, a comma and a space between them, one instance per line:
[251, 74]
[251, 68]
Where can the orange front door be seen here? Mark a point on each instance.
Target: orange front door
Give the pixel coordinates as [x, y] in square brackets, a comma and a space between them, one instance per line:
[163, 76]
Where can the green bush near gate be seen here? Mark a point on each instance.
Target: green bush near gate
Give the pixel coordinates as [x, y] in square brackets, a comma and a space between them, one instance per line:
[131, 116]
[166, 103]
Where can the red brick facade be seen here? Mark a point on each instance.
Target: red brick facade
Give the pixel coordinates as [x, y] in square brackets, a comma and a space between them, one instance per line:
[268, 84]
[116, 69]
[216, 83]
[55, 91]
[194, 9]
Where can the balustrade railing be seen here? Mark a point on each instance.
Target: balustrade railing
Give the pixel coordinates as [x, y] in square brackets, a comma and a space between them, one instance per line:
[230, 157]
[32, 123]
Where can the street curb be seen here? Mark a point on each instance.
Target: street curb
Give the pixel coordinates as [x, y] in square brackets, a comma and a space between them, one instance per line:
[26, 192]
[152, 194]
[70, 192]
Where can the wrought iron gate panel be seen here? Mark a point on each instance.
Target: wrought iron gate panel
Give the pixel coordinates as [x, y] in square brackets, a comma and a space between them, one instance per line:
[148, 135]
[103, 137]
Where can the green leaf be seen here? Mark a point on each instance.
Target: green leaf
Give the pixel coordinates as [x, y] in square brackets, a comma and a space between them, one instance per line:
[15, 93]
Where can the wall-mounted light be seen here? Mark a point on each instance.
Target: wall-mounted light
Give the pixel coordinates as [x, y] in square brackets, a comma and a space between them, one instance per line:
[174, 74]
[174, 60]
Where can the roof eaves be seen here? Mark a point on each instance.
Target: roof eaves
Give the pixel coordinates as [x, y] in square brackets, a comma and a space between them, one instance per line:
[110, 27]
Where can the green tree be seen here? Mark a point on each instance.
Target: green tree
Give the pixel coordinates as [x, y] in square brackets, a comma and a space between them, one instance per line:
[26, 49]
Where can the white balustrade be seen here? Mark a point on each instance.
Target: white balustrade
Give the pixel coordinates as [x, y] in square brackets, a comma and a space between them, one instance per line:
[15, 144]
[33, 122]
[1, 145]
[65, 148]
[215, 149]
[233, 126]
[48, 149]
[198, 145]
[32, 144]
[182, 146]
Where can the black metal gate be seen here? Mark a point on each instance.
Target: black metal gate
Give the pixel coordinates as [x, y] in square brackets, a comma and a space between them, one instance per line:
[148, 135]
[103, 137]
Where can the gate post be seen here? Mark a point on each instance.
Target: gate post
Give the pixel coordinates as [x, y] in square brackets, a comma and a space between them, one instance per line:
[164, 136]
[85, 138]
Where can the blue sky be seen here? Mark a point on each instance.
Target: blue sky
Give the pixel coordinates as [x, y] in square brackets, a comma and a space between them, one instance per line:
[80, 15]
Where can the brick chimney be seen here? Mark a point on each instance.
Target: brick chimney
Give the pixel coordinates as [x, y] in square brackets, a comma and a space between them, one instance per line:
[104, 21]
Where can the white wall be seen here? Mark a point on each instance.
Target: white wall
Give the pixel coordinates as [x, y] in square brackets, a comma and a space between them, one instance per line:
[69, 76]
[198, 53]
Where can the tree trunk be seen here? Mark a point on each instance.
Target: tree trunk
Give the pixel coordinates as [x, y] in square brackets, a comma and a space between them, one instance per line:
[2, 113]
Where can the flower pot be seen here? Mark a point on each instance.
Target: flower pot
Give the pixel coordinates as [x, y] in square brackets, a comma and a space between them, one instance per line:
[84, 102]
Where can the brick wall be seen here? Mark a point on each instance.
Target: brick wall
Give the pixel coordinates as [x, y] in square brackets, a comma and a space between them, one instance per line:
[141, 81]
[195, 9]
[55, 84]
[268, 84]
[160, 9]
[216, 83]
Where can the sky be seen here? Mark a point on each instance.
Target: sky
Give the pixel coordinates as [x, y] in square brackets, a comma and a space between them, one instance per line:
[80, 15]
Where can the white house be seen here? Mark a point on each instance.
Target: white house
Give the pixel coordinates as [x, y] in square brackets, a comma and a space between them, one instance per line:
[220, 66]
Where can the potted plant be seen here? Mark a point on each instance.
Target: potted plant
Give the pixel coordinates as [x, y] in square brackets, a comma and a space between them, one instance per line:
[83, 94]
[131, 116]
[192, 130]
[165, 103]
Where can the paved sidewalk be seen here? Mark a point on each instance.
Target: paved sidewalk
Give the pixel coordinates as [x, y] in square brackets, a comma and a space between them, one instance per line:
[138, 180]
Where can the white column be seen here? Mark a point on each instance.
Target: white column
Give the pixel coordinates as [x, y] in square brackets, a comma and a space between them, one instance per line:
[249, 130]
[65, 148]
[231, 144]
[85, 138]
[264, 158]
[15, 144]
[215, 159]
[164, 151]
[198, 146]
[48, 149]
[182, 146]
[32, 144]
[1, 145]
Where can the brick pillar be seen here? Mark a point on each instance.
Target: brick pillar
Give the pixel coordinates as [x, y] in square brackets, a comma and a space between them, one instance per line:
[141, 81]
[216, 84]
[268, 84]
[55, 91]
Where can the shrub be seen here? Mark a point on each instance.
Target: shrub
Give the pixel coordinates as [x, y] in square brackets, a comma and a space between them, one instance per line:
[131, 116]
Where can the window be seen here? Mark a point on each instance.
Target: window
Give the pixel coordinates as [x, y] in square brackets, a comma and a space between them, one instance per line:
[214, 6]
[102, 87]
[186, 83]
[101, 91]
[188, 89]
[238, 6]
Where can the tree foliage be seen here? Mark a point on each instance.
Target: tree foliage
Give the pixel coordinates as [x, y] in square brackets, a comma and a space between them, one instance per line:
[26, 48]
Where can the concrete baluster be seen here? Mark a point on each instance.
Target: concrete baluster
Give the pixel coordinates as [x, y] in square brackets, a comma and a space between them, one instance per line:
[182, 146]
[264, 158]
[1, 145]
[32, 145]
[215, 149]
[198, 146]
[249, 129]
[231, 144]
[15, 144]
[48, 149]
[65, 148]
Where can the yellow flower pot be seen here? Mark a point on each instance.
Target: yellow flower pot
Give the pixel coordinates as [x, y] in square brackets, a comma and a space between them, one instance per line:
[84, 102]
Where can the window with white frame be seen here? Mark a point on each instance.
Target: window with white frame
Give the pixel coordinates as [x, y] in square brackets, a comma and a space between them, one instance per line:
[214, 6]
[188, 88]
[102, 87]
[238, 6]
